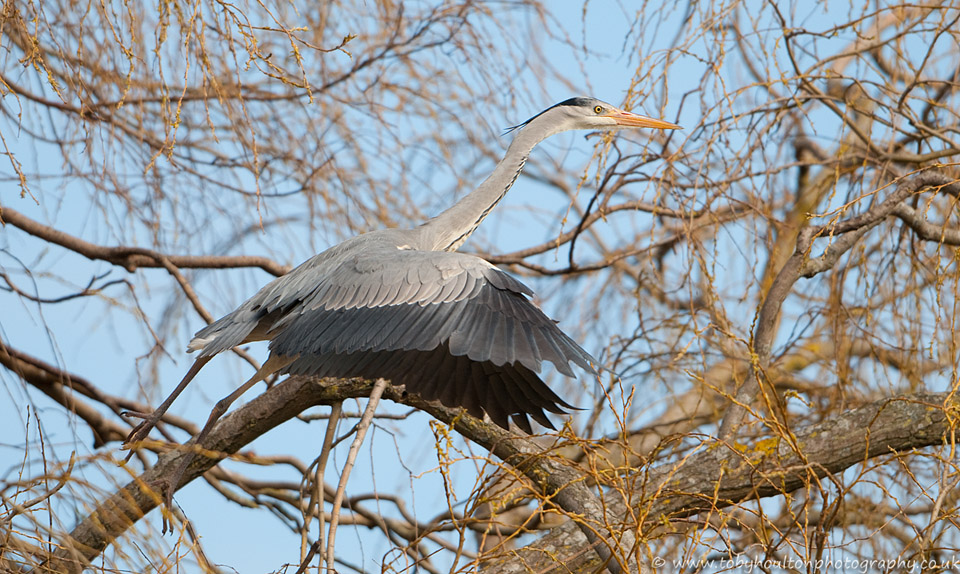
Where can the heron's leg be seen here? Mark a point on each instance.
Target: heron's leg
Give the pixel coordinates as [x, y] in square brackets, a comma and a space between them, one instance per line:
[273, 364]
[149, 421]
[362, 427]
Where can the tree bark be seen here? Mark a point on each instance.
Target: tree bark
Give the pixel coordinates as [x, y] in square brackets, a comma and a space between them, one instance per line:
[716, 476]
[131, 503]
[720, 475]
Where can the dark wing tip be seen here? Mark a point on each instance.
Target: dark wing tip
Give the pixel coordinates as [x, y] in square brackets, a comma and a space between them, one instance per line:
[502, 392]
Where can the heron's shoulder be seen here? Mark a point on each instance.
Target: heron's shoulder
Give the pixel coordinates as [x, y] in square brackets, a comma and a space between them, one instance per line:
[389, 255]
[372, 244]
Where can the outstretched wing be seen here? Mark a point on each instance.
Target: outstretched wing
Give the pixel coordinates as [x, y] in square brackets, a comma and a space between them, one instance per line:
[251, 320]
[449, 326]
[416, 300]
[502, 391]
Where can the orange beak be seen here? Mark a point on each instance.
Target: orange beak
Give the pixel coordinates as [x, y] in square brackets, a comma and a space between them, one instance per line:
[631, 120]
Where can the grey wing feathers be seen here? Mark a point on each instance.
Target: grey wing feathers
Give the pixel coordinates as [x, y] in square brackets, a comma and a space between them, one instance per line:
[502, 391]
[229, 331]
[470, 308]
[449, 326]
[251, 320]
[246, 323]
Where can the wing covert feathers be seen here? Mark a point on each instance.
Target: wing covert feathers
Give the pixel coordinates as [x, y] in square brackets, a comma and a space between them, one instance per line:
[448, 326]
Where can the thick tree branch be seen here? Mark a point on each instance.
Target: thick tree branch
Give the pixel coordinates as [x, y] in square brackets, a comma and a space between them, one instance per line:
[925, 229]
[559, 481]
[717, 476]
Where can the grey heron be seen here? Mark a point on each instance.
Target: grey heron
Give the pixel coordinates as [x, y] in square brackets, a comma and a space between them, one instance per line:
[404, 305]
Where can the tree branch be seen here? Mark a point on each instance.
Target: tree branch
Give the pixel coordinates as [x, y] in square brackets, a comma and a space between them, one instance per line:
[718, 476]
[844, 234]
[61, 386]
[560, 482]
[132, 258]
[926, 230]
[131, 503]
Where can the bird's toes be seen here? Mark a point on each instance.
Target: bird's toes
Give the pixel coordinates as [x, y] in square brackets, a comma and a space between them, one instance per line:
[166, 525]
[168, 488]
[136, 435]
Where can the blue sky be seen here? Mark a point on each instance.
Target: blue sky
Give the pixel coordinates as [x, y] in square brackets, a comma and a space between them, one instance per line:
[88, 337]
[398, 458]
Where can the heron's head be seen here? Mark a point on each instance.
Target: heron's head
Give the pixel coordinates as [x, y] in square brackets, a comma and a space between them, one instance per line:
[590, 114]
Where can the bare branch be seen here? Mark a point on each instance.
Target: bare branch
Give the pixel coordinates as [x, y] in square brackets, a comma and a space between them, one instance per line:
[132, 258]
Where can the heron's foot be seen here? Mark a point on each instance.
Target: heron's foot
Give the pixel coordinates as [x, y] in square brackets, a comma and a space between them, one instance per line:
[139, 432]
[168, 488]
[168, 485]
[164, 486]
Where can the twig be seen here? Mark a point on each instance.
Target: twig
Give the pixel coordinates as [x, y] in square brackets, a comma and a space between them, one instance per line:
[362, 427]
[844, 234]
[335, 411]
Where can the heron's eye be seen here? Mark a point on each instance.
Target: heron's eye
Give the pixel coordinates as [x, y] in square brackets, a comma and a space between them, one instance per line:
[598, 109]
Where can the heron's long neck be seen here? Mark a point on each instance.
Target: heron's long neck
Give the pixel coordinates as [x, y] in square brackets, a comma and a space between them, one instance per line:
[448, 231]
